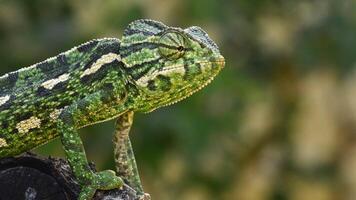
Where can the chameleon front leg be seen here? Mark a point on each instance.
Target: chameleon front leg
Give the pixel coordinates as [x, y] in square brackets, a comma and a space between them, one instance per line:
[124, 156]
[75, 153]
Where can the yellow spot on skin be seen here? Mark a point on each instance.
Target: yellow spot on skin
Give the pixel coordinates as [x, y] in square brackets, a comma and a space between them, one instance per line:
[26, 125]
[107, 58]
[4, 99]
[53, 82]
[55, 114]
[3, 143]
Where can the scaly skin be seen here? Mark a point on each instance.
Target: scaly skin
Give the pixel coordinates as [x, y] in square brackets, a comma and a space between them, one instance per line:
[152, 66]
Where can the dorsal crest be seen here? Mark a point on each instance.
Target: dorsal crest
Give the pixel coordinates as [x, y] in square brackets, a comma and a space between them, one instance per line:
[139, 42]
[145, 27]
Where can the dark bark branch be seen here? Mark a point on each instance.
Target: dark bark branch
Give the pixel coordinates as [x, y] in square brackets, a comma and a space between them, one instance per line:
[30, 177]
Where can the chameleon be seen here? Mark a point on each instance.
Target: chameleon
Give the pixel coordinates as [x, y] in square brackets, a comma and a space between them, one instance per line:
[153, 65]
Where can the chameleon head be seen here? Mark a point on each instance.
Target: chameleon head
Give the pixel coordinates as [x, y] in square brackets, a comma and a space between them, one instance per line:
[168, 64]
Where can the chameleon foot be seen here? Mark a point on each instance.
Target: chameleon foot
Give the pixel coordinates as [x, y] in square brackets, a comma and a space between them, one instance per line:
[144, 196]
[105, 180]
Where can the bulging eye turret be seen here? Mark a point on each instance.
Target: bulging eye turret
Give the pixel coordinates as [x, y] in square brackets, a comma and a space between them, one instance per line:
[172, 44]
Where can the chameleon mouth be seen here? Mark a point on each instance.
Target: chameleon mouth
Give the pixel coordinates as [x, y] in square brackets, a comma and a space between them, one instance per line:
[211, 64]
[220, 61]
[190, 93]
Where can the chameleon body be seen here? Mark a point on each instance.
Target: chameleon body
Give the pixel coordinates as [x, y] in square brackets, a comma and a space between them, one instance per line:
[153, 65]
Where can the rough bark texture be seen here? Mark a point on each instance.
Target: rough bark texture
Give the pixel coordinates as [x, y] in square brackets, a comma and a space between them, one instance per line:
[30, 177]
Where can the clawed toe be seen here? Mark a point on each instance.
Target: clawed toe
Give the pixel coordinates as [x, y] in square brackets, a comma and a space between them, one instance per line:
[145, 196]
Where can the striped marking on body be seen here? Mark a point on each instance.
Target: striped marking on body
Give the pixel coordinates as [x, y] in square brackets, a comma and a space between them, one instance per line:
[105, 59]
[4, 99]
[4, 76]
[26, 125]
[175, 69]
[136, 58]
[136, 39]
[50, 84]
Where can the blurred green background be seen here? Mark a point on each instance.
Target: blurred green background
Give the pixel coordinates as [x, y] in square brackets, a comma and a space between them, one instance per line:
[279, 122]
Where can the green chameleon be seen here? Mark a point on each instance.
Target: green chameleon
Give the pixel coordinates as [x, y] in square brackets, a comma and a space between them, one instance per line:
[153, 65]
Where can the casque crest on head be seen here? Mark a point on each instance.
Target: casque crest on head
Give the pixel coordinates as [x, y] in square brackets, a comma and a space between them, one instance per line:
[167, 63]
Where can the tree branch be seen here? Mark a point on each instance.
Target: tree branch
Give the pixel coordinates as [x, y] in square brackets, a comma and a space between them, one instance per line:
[31, 177]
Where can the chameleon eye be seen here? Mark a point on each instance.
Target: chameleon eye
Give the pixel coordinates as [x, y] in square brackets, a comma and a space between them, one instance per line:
[172, 44]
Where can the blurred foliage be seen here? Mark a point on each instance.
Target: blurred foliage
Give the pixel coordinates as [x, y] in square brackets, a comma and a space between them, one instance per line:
[279, 122]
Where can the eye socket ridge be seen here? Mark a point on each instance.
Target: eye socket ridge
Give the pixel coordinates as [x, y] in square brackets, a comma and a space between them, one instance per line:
[172, 44]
